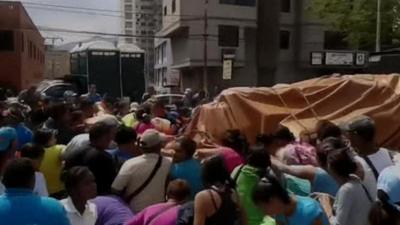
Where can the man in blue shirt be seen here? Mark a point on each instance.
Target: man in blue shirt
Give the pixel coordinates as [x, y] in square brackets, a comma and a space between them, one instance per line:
[92, 95]
[8, 143]
[126, 139]
[185, 167]
[20, 206]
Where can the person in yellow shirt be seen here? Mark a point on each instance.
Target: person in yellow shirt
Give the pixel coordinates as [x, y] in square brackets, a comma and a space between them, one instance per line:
[51, 166]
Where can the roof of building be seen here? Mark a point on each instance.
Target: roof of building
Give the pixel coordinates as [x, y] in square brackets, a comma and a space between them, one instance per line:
[129, 48]
[95, 45]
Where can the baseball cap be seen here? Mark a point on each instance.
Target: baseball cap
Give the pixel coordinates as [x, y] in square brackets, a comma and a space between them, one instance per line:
[151, 138]
[7, 136]
[363, 126]
[389, 182]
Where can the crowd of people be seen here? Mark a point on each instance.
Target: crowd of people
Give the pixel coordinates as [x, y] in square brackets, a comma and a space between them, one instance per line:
[92, 160]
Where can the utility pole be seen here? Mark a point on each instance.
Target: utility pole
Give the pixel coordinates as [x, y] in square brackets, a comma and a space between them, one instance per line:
[378, 25]
[53, 41]
[205, 64]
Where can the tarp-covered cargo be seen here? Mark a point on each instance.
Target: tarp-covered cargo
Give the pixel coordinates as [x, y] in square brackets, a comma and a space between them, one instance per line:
[301, 105]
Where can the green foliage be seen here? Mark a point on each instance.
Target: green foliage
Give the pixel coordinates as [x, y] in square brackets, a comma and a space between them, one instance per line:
[356, 19]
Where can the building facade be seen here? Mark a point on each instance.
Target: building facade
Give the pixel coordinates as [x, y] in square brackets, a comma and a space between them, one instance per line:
[230, 29]
[269, 42]
[22, 51]
[57, 63]
[142, 19]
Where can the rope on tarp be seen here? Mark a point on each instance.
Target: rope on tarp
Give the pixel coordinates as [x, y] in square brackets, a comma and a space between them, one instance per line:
[289, 111]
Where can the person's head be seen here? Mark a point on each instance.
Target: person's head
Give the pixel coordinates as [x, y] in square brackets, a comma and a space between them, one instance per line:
[92, 89]
[269, 196]
[258, 157]
[19, 173]
[87, 107]
[235, 140]
[279, 139]
[45, 137]
[151, 90]
[126, 138]
[179, 191]
[214, 172]
[151, 141]
[158, 109]
[185, 150]
[33, 152]
[122, 108]
[361, 133]
[60, 112]
[80, 183]
[325, 147]
[143, 116]
[341, 164]
[326, 129]
[101, 135]
[386, 211]
[8, 145]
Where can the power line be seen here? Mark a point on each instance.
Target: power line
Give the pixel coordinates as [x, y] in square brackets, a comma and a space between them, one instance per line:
[93, 11]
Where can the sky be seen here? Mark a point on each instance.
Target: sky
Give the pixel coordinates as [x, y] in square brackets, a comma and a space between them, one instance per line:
[55, 18]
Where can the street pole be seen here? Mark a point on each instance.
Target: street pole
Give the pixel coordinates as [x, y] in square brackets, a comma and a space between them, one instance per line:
[378, 26]
[205, 64]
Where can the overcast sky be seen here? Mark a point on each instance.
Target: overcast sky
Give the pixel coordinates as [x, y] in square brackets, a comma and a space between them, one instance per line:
[75, 21]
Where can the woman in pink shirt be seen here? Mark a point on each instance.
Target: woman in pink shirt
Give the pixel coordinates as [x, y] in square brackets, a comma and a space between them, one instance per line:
[144, 121]
[178, 192]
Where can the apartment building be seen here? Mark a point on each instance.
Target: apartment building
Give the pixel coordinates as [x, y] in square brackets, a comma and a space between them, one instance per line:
[21, 48]
[231, 30]
[142, 19]
[268, 42]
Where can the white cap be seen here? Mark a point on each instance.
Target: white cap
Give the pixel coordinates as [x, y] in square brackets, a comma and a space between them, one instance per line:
[151, 138]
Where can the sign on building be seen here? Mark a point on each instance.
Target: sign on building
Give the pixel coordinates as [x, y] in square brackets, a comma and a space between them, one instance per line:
[172, 78]
[227, 69]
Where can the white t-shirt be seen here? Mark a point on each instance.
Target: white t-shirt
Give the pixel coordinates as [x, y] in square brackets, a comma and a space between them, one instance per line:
[40, 185]
[133, 174]
[369, 180]
[88, 217]
[381, 159]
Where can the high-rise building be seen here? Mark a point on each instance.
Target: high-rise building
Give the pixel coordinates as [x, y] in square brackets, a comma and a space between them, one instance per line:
[142, 19]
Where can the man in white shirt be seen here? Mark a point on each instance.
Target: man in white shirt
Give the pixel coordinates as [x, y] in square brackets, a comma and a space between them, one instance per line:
[81, 187]
[361, 133]
[142, 180]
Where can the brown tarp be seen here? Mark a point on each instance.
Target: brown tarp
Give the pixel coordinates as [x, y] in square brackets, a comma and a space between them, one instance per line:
[301, 105]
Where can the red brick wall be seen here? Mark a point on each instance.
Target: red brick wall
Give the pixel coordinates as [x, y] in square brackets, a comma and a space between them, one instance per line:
[24, 66]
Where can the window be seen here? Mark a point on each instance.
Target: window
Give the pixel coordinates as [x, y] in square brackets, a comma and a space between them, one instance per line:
[284, 39]
[6, 40]
[228, 36]
[128, 24]
[30, 49]
[334, 40]
[128, 16]
[129, 40]
[165, 10]
[286, 6]
[143, 24]
[164, 53]
[146, 7]
[22, 42]
[128, 8]
[239, 2]
[173, 6]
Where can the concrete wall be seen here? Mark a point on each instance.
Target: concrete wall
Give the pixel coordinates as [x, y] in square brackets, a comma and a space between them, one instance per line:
[57, 64]
[18, 69]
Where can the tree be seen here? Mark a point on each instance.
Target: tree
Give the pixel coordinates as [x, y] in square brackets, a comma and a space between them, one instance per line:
[356, 19]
